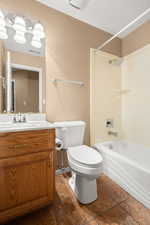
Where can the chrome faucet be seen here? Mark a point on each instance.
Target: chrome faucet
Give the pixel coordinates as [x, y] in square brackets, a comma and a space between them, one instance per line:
[19, 118]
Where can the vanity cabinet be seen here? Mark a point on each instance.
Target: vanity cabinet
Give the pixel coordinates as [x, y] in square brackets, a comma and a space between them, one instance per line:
[26, 172]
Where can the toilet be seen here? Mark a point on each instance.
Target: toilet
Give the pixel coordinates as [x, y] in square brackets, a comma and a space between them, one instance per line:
[84, 162]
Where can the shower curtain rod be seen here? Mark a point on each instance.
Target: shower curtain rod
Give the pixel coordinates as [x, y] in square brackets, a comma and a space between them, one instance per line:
[125, 28]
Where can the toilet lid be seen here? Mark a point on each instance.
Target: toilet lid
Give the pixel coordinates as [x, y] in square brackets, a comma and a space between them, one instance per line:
[85, 155]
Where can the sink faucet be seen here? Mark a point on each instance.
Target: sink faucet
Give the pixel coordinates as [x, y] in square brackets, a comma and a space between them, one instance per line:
[19, 118]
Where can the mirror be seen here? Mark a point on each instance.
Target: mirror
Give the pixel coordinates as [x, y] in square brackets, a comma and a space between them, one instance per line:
[25, 90]
[22, 72]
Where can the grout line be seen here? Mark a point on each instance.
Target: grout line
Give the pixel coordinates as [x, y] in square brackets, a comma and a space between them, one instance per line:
[89, 221]
[116, 205]
[131, 215]
[102, 213]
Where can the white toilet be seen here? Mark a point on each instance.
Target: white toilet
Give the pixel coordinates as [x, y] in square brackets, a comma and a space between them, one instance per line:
[85, 162]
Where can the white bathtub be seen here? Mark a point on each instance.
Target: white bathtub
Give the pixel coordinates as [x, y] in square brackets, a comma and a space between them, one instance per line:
[128, 164]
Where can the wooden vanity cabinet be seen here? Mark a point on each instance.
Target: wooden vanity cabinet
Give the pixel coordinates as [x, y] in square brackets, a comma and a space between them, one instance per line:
[27, 172]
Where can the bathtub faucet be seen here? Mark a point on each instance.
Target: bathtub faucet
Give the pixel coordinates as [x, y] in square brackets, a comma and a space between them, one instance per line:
[114, 133]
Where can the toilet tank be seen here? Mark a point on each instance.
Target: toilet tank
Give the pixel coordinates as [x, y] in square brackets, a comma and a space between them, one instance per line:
[70, 132]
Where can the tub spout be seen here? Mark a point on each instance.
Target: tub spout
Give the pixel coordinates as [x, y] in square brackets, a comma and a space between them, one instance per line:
[114, 133]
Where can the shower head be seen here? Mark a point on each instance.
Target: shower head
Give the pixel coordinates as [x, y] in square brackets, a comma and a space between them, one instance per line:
[116, 61]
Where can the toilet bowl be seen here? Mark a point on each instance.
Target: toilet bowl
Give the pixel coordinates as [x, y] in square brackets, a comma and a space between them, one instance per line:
[86, 165]
[84, 162]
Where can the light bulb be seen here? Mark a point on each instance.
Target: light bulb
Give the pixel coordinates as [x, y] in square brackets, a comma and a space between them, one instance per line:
[3, 30]
[3, 33]
[38, 31]
[2, 14]
[20, 24]
[36, 42]
[19, 37]
[2, 22]
[20, 28]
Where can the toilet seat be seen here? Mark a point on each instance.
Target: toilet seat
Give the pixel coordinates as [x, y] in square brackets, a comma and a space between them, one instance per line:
[85, 156]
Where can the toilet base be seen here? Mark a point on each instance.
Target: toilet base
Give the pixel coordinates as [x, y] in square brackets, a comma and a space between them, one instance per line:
[85, 189]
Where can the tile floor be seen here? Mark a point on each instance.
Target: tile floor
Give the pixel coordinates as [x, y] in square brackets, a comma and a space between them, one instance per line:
[113, 207]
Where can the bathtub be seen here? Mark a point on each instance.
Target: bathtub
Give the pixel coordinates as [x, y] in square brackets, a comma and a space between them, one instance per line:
[128, 164]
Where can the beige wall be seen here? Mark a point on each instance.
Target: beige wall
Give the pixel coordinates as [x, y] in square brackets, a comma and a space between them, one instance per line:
[105, 97]
[26, 91]
[137, 39]
[136, 102]
[68, 43]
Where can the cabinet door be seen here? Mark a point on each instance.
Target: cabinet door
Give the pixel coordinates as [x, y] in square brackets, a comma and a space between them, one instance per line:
[26, 183]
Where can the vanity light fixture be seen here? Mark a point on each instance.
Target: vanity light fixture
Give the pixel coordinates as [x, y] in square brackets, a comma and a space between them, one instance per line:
[22, 26]
[3, 30]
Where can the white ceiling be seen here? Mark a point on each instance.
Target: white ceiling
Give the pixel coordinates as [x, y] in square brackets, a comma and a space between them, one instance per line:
[108, 15]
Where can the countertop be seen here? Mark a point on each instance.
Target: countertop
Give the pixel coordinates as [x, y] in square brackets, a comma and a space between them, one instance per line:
[16, 127]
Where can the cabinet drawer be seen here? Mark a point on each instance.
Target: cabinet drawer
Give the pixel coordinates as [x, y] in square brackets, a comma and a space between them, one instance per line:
[19, 143]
